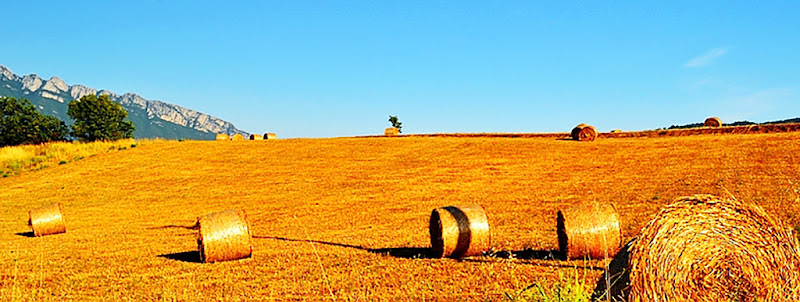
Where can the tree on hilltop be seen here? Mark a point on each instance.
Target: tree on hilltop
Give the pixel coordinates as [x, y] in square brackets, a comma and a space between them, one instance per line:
[21, 123]
[396, 123]
[99, 118]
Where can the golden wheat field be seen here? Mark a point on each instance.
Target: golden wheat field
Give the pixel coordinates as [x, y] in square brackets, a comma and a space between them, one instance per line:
[346, 219]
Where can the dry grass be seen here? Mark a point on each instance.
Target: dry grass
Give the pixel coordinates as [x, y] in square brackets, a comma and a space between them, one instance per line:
[357, 209]
[18, 159]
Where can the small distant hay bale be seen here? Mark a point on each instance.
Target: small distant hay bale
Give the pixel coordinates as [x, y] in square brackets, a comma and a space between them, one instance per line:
[47, 220]
[459, 231]
[616, 131]
[254, 137]
[223, 137]
[704, 248]
[224, 236]
[269, 136]
[238, 137]
[391, 131]
[589, 231]
[584, 133]
[713, 122]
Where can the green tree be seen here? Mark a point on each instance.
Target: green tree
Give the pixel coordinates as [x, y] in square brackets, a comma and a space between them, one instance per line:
[99, 118]
[21, 123]
[396, 123]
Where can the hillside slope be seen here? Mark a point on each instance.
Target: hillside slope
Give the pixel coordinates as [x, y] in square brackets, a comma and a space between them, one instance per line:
[345, 217]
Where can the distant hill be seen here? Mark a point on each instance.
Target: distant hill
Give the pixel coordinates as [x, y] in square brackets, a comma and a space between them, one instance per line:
[151, 118]
[738, 123]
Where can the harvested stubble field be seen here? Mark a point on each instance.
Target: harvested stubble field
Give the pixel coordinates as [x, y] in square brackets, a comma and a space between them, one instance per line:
[345, 218]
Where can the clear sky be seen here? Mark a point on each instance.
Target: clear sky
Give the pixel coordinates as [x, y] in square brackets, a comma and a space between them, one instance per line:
[340, 68]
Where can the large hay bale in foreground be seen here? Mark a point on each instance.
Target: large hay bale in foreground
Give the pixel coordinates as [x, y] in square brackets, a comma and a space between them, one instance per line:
[459, 231]
[254, 137]
[584, 133]
[224, 236]
[391, 131]
[238, 137]
[47, 220]
[589, 231]
[223, 137]
[713, 122]
[269, 136]
[704, 248]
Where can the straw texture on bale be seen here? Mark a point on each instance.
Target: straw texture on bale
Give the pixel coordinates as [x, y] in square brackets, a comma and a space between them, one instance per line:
[704, 248]
[223, 137]
[584, 132]
[270, 136]
[254, 137]
[459, 231]
[224, 236]
[238, 137]
[47, 220]
[589, 231]
[391, 131]
[713, 122]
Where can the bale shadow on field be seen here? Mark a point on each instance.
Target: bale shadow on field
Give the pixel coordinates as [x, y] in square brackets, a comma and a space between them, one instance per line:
[397, 252]
[532, 257]
[614, 283]
[188, 256]
[174, 226]
[528, 254]
[28, 234]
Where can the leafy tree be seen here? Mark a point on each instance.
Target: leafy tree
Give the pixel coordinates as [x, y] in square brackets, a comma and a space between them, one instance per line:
[21, 123]
[396, 123]
[99, 118]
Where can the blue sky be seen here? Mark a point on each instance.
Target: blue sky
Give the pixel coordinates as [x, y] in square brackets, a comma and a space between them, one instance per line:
[340, 68]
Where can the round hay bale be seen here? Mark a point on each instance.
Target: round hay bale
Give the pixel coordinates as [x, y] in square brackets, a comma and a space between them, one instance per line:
[459, 231]
[713, 122]
[616, 131]
[269, 136]
[391, 131]
[224, 236]
[589, 231]
[577, 129]
[254, 137]
[584, 133]
[704, 248]
[223, 137]
[238, 137]
[47, 220]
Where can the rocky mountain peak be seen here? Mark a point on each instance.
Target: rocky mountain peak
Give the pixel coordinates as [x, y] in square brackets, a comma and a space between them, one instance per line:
[54, 84]
[31, 82]
[6, 73]
[78, 91]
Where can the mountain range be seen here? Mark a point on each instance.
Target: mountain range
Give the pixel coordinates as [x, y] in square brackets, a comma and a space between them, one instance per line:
[152, 118]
